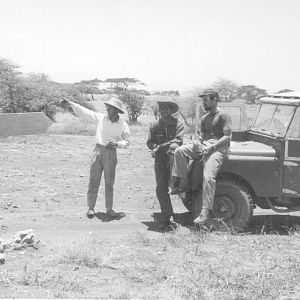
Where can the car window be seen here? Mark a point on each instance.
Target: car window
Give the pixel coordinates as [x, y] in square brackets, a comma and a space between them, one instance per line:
[281, 119]
[264, 117]
[274, 119]
[294, 130]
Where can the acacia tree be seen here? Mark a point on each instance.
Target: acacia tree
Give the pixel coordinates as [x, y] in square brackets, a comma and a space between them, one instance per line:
[170, 93]
[132, 98]
[226, 88]
[250, 93]
[122, 84]
[88, 86]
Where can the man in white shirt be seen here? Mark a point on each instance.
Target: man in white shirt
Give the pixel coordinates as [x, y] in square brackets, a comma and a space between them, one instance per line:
[112, 133]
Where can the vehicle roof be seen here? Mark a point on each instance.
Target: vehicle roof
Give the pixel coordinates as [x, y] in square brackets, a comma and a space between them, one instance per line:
[291, 98]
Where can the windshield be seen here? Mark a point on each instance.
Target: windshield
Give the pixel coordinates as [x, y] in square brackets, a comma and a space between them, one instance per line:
[294, 130]
[274, 119]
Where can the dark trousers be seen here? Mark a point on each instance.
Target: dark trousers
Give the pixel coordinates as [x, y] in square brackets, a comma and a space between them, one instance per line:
[162, 176]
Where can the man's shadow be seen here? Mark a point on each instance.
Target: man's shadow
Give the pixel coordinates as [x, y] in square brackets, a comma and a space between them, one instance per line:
[104, 217]
[184, 219]
[260, 224]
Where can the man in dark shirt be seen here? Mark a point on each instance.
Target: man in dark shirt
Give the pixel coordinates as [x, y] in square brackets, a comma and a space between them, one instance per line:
[212, 148]
[165, 135]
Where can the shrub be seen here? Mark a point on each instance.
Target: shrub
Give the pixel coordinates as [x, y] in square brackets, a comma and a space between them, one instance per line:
[134, 102]
[33, 92]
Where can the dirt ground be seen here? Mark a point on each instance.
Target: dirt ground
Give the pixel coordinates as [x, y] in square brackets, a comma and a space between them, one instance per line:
[43, 184]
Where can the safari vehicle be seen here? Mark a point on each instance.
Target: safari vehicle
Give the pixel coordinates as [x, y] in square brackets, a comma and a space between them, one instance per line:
[262, 168]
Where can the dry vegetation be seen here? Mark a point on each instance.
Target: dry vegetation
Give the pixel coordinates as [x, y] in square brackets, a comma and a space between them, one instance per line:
[128, 259]
[178, 265]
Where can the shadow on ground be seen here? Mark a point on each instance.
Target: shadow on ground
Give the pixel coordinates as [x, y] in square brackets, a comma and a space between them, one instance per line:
[274, 224]
[106, 218]
[184, 219]
[261, 224]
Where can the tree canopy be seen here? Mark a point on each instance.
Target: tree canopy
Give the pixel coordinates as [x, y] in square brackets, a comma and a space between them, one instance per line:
[251, 93]
[123, 83]
[89, 86]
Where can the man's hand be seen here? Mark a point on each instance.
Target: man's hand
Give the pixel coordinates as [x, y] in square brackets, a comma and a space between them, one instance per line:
[65, 103]
[208, 150]
[111, 144]
[153, 152]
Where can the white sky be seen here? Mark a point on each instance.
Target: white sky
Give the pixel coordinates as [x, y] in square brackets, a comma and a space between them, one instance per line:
[167, 44]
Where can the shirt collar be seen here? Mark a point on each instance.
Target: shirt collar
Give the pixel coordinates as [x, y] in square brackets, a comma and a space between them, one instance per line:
[213, 113]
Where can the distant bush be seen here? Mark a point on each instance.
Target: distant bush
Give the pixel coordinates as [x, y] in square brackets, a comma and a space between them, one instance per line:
[134, 102]
[33, 92]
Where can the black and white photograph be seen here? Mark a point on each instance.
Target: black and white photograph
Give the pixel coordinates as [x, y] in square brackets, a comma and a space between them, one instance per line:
[150, 149]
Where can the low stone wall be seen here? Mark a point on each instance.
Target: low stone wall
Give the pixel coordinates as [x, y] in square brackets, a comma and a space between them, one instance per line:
[23, 123]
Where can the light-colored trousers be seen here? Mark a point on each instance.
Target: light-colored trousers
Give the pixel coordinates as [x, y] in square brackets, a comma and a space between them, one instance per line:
[103, 159]
[211, 166]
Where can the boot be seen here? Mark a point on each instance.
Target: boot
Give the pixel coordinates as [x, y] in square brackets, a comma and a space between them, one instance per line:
[203, 219]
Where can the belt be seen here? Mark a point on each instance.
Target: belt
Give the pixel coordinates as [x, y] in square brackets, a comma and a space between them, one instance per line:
[102, 147]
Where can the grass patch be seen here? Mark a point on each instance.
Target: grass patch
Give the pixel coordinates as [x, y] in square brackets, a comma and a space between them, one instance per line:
[67, 123]
[223, 266]
[177, 265]
[89, 253]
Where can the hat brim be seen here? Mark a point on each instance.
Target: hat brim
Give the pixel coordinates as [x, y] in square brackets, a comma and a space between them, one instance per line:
[173, 106]
[208, 93]
[121, 111]
[203, 95]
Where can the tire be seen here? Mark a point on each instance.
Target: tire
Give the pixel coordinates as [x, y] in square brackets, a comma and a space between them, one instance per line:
[233, 205]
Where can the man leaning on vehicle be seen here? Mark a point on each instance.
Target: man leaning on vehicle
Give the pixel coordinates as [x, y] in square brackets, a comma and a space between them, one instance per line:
[214, 143]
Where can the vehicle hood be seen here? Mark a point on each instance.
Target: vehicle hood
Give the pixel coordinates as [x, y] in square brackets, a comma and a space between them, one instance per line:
[251, 148]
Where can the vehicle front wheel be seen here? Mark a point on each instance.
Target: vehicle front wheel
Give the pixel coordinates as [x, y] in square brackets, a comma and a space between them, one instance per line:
[233, 205]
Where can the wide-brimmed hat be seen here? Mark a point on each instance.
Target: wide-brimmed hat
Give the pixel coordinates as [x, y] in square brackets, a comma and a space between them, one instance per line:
[173, 105]
[116, 103]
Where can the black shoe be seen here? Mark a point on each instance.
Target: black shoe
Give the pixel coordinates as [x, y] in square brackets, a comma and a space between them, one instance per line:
[90, 213]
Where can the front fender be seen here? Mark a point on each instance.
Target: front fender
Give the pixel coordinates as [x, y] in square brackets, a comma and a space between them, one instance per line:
[261, 173]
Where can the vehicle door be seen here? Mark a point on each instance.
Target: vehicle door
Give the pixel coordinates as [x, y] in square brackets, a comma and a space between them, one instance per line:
[291, 164]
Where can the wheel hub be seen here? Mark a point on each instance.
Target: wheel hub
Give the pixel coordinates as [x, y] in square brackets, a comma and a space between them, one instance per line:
[224, 208]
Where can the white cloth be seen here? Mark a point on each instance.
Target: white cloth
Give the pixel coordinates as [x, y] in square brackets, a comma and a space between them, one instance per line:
[106, 129]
